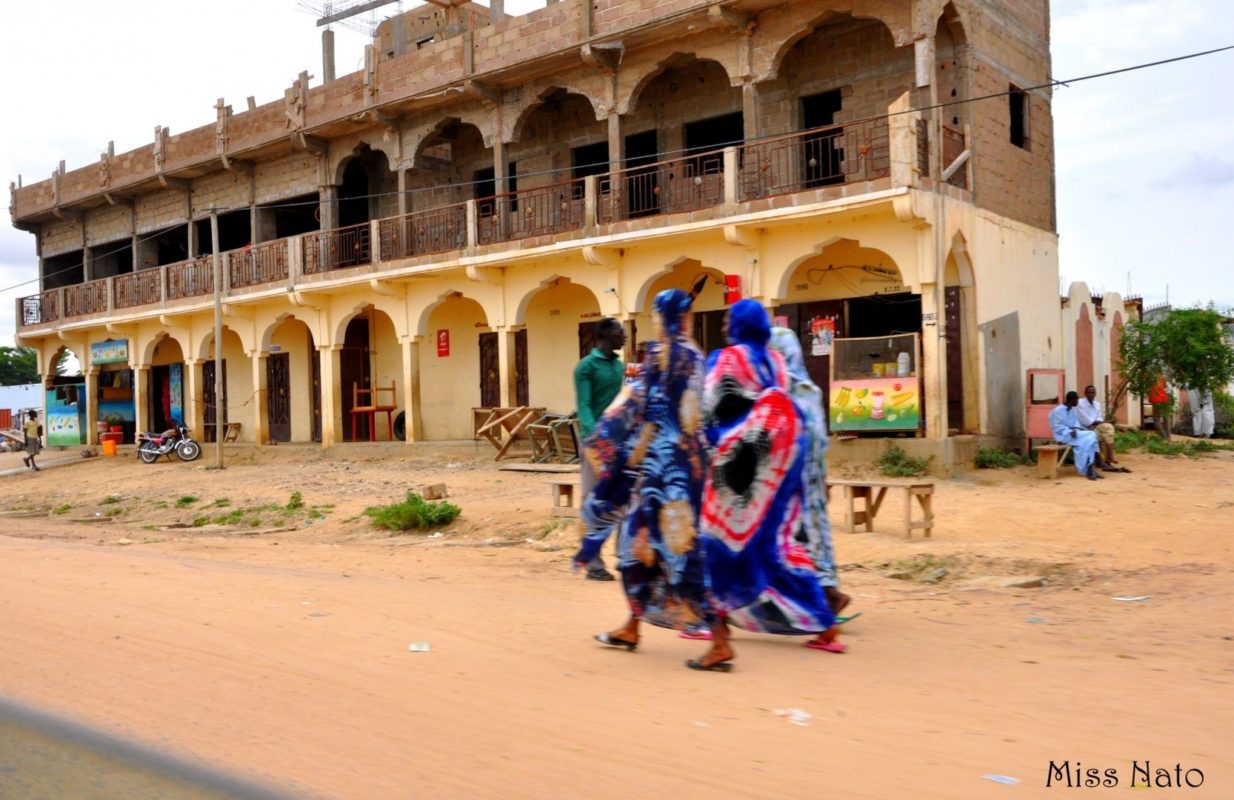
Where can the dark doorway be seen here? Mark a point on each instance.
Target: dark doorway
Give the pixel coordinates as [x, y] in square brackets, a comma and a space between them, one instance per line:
[822, 153]
[883, 315]
[522, 391]
[354, 371]
[714, 133]
[490, 372]
[586, 338]
[955, 358]
[210, 417]
[235, 231]
[166, 397]
[709, 330]
[278, 396]
[296, 215]
[113, 258]
[642, 151]
[67, 269]
[801, 318]
[484, 188]
[353, 207]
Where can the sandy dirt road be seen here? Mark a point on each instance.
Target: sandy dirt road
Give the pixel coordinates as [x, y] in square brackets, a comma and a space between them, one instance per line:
[283, 656]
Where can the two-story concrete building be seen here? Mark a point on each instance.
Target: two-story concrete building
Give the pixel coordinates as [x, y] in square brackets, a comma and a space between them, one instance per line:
[452, 219]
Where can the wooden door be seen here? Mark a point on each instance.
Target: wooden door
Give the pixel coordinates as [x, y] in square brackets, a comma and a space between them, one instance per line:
[586, 338]
[522, 391]
[278, 396]
[490, 372]
[211, 417]
[315, 363]
[953, 319]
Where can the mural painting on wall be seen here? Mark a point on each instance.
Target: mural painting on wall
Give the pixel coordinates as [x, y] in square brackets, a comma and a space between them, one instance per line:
[112, 351]
[64, 411]
[175, 392]
[443, 343]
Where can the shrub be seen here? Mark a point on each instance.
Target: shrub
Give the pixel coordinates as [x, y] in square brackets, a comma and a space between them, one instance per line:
[186, 500]
[63, 508]
[413, 513]
[109, 499]
[295, 502]
[993, 458]
[1223, 410]
[896, 463]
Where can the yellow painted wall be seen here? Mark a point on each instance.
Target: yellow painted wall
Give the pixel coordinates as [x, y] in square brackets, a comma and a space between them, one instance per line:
[387, 362]
[450, 386]
[240, 399]
[553, 317]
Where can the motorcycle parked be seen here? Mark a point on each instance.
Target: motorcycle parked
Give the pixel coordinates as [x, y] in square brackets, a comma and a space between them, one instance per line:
[151, 445]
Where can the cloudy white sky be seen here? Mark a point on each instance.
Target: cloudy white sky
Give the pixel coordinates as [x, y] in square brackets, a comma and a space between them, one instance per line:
[1145, 160]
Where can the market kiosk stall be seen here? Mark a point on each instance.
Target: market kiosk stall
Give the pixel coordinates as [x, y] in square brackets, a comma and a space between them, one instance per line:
[875, 385]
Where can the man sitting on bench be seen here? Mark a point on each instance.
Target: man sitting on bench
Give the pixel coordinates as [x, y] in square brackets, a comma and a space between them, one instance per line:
[1068, 430]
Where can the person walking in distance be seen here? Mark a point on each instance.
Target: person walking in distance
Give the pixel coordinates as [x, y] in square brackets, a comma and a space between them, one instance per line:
[34, 444]
[597, 380]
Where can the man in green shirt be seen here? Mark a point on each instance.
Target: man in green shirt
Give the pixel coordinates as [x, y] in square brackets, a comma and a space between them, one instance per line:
[597, 380]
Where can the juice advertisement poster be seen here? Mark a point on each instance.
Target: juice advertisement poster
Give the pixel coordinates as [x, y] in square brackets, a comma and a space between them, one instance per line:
[875, 404]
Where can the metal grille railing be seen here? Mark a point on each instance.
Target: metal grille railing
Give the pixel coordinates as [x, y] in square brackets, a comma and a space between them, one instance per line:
[85, 298]
[555, 208]
[836, 154]
[258, 264]
[923, 147]
[40, 308]
[665, 187]
[338, 248]
[424, 232]
[138, 288]
[953, 146]
[191, 278]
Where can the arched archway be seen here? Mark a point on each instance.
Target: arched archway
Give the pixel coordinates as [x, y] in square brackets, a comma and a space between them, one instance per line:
[709, 307]
[560, 318]
[64, 400]
[459, 367]
[452, 165]
[236, 404]
[370, 359]
[366, 187]
[960, 329]
[166, 401]
[293, 381]
[1083, 349]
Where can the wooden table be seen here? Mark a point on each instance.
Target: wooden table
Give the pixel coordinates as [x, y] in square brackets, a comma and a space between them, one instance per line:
[491, 423]
[872, 493]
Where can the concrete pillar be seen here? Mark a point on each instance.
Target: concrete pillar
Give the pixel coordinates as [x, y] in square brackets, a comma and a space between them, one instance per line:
[194, 244]
[141, 396]
[411, 389]
[328, 199]
[194, 398]
[402, 193]
[327, 55]
[261, 408]
[87, 264]
[496, 11]
[331, 394]
[616, 143]
[507, 368]
[750, 111]
[92, 405]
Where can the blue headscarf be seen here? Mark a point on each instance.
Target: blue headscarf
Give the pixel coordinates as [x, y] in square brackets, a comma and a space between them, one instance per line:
[672, 305]
[748, 325]
[789, 346]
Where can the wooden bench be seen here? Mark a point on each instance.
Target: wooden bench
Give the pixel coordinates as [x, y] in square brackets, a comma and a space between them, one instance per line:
[565, 491]
[1049, 458]
[872, 493]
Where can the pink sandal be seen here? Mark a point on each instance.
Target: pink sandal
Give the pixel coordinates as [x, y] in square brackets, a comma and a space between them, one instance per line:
[696, 634]
[830, 647]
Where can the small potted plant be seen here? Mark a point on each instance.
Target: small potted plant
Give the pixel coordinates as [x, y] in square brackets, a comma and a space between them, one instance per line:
[115, 423]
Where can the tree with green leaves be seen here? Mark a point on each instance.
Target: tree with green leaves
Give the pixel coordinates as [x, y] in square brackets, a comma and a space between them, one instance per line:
[18, 366]
[1187, 346]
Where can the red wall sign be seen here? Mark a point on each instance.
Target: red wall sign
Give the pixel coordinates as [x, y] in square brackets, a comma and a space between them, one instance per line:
[443, 342]
[732, 289]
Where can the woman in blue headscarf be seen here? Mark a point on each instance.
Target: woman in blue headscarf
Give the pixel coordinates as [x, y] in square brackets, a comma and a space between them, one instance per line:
[648, 455]
[761, 578]
[815, 531]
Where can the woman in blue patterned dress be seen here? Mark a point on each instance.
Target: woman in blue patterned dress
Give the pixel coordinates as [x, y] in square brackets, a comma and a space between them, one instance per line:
[650, 463]
[762, 579]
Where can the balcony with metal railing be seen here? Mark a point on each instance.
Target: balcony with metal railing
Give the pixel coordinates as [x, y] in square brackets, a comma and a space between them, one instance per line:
[825, 162]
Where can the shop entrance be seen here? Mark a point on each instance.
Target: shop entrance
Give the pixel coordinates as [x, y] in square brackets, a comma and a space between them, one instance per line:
[278, 396]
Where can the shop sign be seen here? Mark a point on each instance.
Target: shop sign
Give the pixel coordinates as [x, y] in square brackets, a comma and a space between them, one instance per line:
[443, 343]
[112, 351]
[876, 404]
[732, 289]
[822, 334]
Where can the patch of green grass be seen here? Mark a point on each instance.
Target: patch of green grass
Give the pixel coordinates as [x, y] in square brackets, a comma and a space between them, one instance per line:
[222, 502]
[255, 522]
[230, 518]
[201, 521]
[149, 527]
[413, 513]
[111, 499]
[993, 458]
[296, 502]
[186, 500]
[114, 512]
[1129, 440]
[159, 504]
[61, 509]
[896, 463]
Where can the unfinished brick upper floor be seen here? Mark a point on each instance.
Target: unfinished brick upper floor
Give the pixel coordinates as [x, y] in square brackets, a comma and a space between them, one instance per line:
[545, 98]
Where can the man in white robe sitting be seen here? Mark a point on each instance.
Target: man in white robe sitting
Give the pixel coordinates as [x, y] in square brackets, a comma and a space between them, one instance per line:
[1068, 430]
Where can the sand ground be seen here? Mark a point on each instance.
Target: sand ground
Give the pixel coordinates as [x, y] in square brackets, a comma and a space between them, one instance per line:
[274, 644]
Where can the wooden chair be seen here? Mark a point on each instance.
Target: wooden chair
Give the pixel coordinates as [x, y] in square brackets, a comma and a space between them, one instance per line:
[371, 407]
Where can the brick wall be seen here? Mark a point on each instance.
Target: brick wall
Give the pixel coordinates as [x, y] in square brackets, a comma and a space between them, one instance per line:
[160, 210]
[288, 176]
[61, 237]
[223, 190]
[108, 224]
